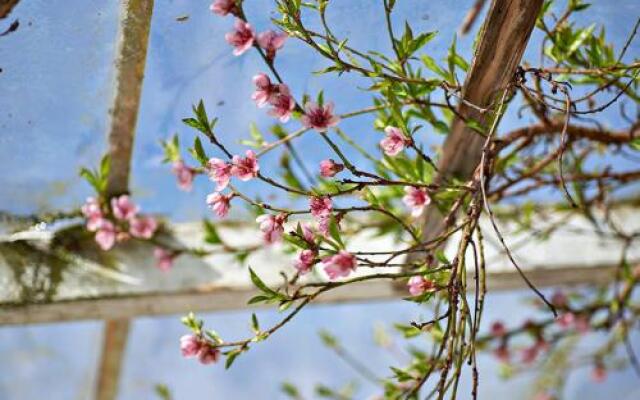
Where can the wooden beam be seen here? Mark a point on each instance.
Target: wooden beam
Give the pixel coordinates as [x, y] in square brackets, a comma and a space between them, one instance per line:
[131, 53]
[230, 298]
[503, 39]
[114, 345]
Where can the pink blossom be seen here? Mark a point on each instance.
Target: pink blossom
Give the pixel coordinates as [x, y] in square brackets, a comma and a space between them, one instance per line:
[123, 208]
[224, 7]
[340, 264]
[416, 199]
[184, 174]
[106, 234]
[320, 207]
[599, 373]
[265, 90]
[190, 345]
[282, 103]
[318, 117]
[305, 261]
[329, 168]
[143, 227]
[323, 225]
[566, 320]
[219, 203]
[164, 258]
[208, 354]
[530, 354]
[307, 233]
[271, 226]
[245, 168]
[498, 329]
[271, 42]
[581, 324]
[219, 172]
[92, 212]
[394, 142]
[418, 285]
[241, 38]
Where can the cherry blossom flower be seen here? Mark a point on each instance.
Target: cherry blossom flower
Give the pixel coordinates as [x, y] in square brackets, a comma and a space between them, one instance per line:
[308, 233]
[340, 264]
[164, 258]
[329, 168]
[305, 261]
[271, 42]
[184, 174]
[566, 320]
[208, 354]
[498, 329]
[105, 234]
[143, 227]
[394, 142]
[190, 345]
[123, 208]
[224, 7]
[241, 38]
[92, 212]
[318, 117]
[530, 354]
[219, 172]
[418, 285]
[271, 226]
[320, 207]
[219, 203]
[245, 168]
[282, 104]
[323, 225]
[416, 199]
[265, 90]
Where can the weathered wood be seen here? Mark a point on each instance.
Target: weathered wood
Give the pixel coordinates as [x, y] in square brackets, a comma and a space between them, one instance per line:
[503, 39]
[114, 345]
[230, 298]
[131, 53]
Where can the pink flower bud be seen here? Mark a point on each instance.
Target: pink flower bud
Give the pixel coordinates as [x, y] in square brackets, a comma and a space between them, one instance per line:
[266, 92]
[184, 174]
[143, 227]
[219, 172]
[208, 354]
[271, 227]
[498, 329]
[418, 285]
[219, 203]
[394, 142]
[271, 42]
[164, 258]
[329, 168]
[339, 265]
[245, 168]
[123, 208]
[320, 207]
[105, 234]
[224, 7]
[282, 103]
[190, 345]
[305, 261]
[241, 38]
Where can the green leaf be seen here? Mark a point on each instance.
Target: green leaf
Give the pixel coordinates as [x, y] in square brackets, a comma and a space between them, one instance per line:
[254, 323]
[579, 39]
[210, 233]
[198, 152]
[231, 357]
[261, 285]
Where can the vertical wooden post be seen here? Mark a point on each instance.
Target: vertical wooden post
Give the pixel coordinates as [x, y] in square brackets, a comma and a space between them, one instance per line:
[114, 344]
[503, 39]
[131, 55]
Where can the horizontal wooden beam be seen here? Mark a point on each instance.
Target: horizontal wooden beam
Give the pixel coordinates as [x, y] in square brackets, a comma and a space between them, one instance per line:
[230, 298]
